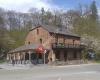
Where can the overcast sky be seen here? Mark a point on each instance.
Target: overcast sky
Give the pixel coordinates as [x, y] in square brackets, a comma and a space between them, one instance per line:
[24, 5]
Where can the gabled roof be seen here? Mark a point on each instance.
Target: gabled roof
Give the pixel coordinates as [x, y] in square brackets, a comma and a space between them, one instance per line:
[56, 30]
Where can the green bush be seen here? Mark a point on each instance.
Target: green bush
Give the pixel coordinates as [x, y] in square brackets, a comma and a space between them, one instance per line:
[98, 55]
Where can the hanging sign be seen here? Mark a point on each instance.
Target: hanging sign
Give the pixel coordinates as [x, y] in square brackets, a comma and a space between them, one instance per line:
[40, 49]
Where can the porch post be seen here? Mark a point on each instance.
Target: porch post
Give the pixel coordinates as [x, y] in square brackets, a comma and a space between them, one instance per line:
[53, 56]
[24, 57]
[7, 57]
[19, 58]
[44, 55]
[29, 56]
[67, 57]
[14, 56]
[10, 58]
[13, 59]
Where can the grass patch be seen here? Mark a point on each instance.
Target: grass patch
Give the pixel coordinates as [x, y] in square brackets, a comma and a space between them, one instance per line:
[97, 61]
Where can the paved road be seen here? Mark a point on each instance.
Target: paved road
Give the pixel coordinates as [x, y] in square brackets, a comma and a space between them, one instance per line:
[79, 72]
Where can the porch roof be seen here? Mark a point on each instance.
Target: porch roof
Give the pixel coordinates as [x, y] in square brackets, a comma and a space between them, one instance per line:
[25, 48]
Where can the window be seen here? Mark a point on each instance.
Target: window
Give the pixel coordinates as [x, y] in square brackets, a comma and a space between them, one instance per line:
[28, 42]
[56, 40]
[40, 40]
[37, 31]
[73, 42]
[64, 39]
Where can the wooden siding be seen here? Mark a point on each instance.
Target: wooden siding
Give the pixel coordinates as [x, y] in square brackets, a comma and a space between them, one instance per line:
[49, 38]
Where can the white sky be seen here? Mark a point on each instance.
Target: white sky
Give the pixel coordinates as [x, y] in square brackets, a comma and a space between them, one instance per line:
[24, 5]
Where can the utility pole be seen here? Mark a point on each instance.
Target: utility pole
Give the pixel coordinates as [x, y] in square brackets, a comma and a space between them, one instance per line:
[45, 51]
[42, 11]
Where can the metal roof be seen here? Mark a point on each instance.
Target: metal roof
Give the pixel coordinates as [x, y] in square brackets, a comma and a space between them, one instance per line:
[57, 30]
[25, 48]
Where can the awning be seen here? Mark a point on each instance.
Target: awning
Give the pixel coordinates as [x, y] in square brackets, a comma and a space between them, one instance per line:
[40, 49]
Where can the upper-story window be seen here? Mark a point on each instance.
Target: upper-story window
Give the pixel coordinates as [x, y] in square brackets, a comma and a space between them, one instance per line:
[64, 40]
[37, 31]
[56, 39]
[28, 42]
[40, 40]
[73, 42]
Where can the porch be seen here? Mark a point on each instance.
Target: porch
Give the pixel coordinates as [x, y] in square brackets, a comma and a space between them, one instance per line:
[67, 53]
[27, 54]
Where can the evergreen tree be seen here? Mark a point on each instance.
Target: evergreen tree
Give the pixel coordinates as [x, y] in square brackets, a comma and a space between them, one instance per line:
[94, 13]
[42, 15]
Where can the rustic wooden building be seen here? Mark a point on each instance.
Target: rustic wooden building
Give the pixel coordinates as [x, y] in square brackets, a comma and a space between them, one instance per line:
[55, 43]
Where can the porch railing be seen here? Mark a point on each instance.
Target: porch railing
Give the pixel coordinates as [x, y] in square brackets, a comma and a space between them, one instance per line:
[61, 45]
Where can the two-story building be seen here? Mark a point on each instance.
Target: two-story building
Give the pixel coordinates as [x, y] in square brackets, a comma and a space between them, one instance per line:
[47, 44]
